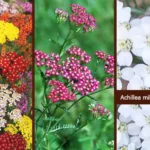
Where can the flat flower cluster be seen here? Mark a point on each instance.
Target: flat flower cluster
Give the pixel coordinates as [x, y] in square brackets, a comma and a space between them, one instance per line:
[133, 127]
[79, 17]
[78, 76]
[108, 66]
[15, 75]
[133, 43]
[99, 111]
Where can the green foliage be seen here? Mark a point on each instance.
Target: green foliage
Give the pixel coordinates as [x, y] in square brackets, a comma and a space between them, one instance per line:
[98, 133]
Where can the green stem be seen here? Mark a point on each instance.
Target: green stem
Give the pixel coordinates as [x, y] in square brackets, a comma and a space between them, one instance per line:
[69, 109]
[144, 5]
[135, 3]
[127, 1]
[137, 11]
[62, 117]
[42, 113]
[53, 41]
[66, 39]
[70, 136]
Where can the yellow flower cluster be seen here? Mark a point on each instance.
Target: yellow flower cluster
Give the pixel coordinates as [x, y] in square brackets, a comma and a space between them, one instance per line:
[24, 125]
[11, 128]
[8, 32]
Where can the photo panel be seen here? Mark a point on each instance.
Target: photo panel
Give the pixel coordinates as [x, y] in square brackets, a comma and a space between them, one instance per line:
[133, 48]
[74, 74]
[16, 69]
[133, 126]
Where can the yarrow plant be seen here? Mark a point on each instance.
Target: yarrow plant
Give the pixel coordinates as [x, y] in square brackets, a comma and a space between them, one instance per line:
[133, 50]
[133, 127]
[67, 78]
[15, 75]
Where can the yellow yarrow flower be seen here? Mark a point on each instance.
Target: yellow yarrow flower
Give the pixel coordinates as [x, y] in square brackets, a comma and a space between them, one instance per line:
[11, 128]
[24, 125]
[8, 32]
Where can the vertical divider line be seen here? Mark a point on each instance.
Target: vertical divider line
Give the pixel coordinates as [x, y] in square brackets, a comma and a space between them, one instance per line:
[115, 73]
[33, 73]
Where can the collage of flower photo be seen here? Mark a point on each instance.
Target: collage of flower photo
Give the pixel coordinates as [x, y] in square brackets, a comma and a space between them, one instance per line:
[15, 75]
[74, 74]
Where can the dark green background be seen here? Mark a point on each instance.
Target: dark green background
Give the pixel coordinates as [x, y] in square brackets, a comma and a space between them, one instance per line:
[99, 132]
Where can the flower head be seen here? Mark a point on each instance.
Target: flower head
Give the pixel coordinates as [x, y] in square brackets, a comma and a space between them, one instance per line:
[61, 15]
[99, 110]
[60, 92]
[81, 18]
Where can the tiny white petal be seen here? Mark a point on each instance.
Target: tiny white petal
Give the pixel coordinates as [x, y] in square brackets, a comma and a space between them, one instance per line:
[146, 144]
[119, 84]
[146, 80]
[123, 119]
[145, 20]
[127, 73]
[133, 129]
[136, 140]
[146, 55]
[137, 51]
[140, 120]
[131, 146]
[124, 59]
[125, 110]
[124, 139]
[145, 132]
[135, 83]
[140, 70]
[135, 22]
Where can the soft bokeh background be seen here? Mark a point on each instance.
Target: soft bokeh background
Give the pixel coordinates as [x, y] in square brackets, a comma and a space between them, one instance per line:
[140, 8]
[97, 134]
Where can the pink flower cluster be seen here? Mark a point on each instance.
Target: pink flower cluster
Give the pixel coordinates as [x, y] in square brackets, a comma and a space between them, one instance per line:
[80, 76]
[101, 55]
[27, 7]
[99, 110]
[109, 66]
[50, 61]
[60, 92]
[109, 81]
[40, 58]
[81, 18]
[61, 14]
[76, 51]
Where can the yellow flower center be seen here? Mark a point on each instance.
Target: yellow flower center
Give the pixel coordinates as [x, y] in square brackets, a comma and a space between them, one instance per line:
[122, 127]
[125, 45]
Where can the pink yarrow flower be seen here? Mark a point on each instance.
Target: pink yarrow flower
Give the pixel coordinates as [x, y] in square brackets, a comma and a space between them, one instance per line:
[81, 18]
[99, 110]
[60, 92]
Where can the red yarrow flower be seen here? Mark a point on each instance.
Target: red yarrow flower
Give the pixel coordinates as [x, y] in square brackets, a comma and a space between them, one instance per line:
[12, 142]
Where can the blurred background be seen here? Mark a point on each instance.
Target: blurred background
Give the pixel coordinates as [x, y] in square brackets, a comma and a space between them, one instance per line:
[139, 7]
[97, 134]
